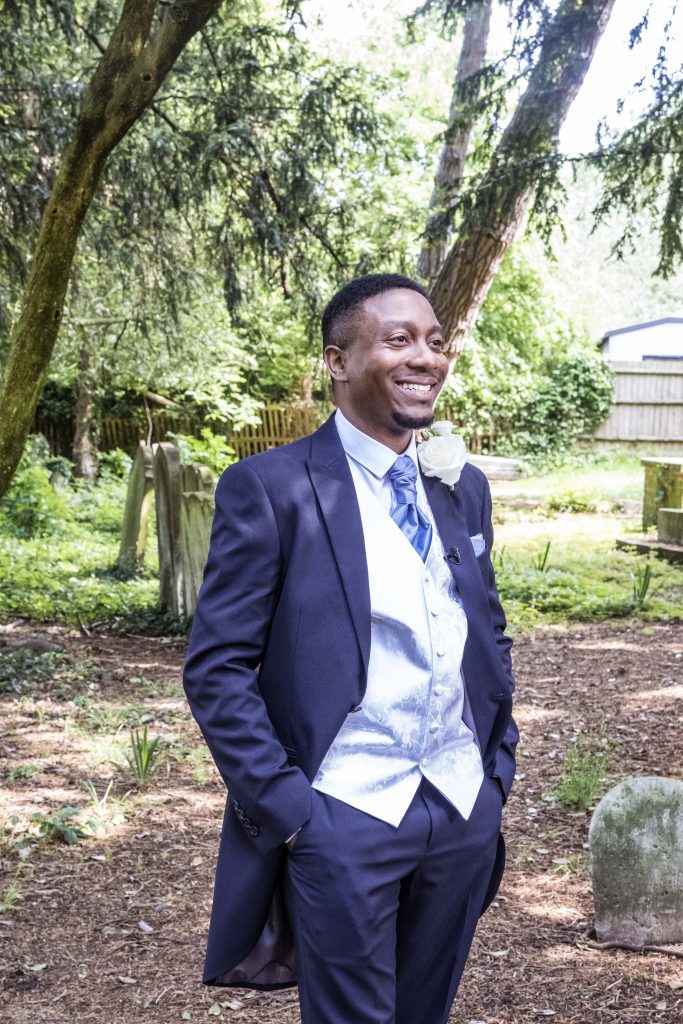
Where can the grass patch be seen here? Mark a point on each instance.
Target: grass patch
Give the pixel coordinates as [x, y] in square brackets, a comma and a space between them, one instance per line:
[584, 576]
[591, 477]
[584, 774]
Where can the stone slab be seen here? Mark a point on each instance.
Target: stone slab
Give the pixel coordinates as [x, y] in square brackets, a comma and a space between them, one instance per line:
[636, 855]
[645, 546]
[496, 467]
[670, 526]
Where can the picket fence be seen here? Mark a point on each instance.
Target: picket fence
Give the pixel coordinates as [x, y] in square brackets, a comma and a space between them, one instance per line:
[279, 425]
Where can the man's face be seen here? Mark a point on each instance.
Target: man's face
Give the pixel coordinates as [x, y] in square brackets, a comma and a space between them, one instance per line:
[388, 378]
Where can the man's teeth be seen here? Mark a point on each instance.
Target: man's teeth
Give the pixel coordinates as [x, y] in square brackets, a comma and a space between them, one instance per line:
[416, 387]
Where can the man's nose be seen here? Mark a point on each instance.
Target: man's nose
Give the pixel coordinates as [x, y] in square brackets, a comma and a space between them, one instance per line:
[422, 354]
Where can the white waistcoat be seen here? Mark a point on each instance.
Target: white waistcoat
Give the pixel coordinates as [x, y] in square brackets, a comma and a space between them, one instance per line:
[410, 723]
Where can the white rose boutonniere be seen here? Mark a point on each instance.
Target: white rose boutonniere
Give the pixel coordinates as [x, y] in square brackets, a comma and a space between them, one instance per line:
[443, 453]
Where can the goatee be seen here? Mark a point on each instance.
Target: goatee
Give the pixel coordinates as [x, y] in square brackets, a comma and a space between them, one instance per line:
[412, 422]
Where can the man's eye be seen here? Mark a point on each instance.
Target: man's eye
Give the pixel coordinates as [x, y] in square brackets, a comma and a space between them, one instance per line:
[399, 338]
[437, 341]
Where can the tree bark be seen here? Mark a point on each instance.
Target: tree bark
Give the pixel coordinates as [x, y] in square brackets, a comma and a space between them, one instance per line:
[127, 77]
[86, 418]
[528, 147]
[451, 167]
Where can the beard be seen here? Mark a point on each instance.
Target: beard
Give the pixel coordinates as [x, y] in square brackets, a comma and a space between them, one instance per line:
[412, 422]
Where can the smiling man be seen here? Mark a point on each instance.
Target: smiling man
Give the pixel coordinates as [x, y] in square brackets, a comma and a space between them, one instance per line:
[349, 670]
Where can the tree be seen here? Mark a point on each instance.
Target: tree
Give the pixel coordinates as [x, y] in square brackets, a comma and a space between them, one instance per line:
[143, 47]
[243, 177]
[523, 166]
[448, 180]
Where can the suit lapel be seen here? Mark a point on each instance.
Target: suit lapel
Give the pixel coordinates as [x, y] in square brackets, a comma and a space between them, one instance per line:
[449, 514]
[331, 479]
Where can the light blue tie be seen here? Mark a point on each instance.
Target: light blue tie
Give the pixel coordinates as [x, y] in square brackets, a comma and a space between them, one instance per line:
[406, 514]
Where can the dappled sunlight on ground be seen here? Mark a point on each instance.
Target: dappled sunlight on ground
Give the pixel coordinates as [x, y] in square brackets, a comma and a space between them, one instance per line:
[151, 863]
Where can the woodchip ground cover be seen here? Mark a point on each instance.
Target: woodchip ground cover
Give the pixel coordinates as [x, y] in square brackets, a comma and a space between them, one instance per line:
[112, 927]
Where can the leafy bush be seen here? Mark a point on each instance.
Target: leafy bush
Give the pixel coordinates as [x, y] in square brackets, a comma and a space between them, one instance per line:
[71, 578]
[527, 375]
[32, 507]
[210, 450]
[115, 463]
[572, 400]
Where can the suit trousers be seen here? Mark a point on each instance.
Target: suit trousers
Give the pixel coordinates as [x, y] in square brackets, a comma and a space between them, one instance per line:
[384, 917]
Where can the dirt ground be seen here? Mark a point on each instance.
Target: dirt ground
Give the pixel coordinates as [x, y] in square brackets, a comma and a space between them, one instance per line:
[111, 930]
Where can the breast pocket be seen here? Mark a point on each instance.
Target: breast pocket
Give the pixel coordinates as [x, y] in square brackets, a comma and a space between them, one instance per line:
[479, 544]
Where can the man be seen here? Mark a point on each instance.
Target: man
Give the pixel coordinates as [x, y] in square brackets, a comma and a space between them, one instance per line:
[349, 670]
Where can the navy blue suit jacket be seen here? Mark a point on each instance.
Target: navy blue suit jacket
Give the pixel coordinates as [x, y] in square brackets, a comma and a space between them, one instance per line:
[278, 656]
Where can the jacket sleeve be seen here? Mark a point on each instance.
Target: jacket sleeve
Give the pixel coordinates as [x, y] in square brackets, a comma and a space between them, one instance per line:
[230, 629]
[504, 767]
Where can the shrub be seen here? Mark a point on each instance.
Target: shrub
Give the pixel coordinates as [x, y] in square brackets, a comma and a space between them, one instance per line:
[31, 506]
[572, 400]
[210, 450]
[115, 463]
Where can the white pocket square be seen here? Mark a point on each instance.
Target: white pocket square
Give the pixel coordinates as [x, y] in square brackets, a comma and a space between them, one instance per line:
[479, 544]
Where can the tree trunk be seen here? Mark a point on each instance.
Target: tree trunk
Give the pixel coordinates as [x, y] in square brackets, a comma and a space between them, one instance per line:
[449, 174]
[86, 418]
[526, 151]
[126, 79]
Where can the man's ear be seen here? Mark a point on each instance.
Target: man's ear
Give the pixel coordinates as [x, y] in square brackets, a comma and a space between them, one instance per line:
[335, 360]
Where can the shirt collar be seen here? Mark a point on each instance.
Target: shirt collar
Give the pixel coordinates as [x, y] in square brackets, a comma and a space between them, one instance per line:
[371, 454]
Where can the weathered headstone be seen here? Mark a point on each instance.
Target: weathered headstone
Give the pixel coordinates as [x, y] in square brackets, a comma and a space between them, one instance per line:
[636, 853]
[670, 526]
[663, 487]
[196, 515]
[139, 496]
[184, 503]
[167, 491]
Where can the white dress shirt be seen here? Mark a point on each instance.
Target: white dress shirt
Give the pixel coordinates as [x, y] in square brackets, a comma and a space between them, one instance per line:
[410, 723]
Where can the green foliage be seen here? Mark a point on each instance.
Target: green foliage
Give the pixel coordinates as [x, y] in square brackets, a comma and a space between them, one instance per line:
[32, 507]
[571, 501]
[642, 578]
[114, 464]
[540, 562]
[526, 376]
[143, 757]
[66, 825]
[24, 671]
[10, 897]
[572, 400]
[584, 775]
[209, 449]
[21, 771]
[588, 577]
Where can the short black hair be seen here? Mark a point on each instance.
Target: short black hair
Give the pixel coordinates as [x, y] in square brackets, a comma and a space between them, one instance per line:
[341, 310]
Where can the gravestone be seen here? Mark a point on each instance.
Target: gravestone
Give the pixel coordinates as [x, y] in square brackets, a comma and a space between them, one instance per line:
[139, 496]
[196, 516]
[670, 526]
[167, 491]
[663, 487]
[184, 504]
[636, 853]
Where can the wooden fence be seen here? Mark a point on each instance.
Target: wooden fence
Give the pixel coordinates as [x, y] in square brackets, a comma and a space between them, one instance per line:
[279, 425]
[648, 405]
